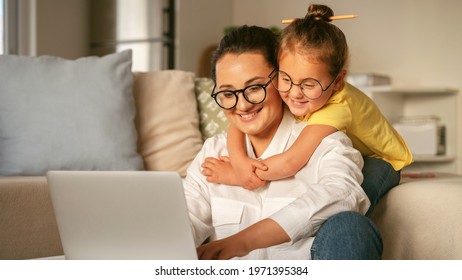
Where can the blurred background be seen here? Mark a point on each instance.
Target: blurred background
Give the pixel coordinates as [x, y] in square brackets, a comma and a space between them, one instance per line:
[414, 44]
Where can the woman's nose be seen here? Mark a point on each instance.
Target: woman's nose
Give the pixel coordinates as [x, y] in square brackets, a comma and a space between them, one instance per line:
[242, 104]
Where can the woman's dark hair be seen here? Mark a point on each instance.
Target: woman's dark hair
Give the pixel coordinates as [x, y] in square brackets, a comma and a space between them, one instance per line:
[317, 38]
[247, 39]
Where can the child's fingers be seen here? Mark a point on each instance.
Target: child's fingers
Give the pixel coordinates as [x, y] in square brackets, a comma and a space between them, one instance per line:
[211, 160]
[253, 183]
[224, 158]
[206, 171]
[259, 165]
[207, 165]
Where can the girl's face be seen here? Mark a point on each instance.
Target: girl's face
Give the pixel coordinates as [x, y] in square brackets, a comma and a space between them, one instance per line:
[237, 71]
[299, 67]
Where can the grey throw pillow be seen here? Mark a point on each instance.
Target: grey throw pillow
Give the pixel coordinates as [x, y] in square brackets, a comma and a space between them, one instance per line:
[58, 114]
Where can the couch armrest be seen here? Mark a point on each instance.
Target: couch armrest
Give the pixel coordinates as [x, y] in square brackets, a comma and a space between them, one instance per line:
[27, 220]
[421, 219]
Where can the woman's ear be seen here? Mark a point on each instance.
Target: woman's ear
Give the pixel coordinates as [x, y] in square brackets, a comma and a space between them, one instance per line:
[340, 80]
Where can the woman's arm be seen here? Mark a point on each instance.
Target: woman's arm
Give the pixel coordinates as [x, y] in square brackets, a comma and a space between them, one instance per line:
[262, 234]
[288, 163]
[333, 181]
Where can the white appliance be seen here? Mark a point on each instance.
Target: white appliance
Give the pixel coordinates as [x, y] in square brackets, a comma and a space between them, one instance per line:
[424, 135]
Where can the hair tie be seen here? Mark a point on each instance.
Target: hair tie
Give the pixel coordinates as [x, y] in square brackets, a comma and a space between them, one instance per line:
[288, 21]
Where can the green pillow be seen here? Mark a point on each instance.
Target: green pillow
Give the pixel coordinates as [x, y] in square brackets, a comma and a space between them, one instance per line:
[212, 118]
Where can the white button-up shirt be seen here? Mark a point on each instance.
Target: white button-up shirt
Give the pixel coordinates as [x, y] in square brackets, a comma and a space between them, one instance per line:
[328, 184]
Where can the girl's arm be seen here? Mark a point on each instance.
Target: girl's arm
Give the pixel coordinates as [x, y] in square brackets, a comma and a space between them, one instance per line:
[288, 163]
[243, 166]
[242, 172]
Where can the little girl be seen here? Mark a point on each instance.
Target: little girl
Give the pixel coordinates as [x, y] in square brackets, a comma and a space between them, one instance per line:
[312, 57]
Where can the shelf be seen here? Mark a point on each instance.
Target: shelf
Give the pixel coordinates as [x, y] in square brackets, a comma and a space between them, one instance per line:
[416, 101]
[433, 158]
[409, 90]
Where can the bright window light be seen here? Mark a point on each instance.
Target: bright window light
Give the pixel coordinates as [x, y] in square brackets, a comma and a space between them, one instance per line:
[2, 31]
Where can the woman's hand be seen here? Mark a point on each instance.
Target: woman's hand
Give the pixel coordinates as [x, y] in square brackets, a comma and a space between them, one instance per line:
[263, 234]
[223, 249]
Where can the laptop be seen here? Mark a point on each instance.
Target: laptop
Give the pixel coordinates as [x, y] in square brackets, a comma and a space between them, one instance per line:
[125, 215]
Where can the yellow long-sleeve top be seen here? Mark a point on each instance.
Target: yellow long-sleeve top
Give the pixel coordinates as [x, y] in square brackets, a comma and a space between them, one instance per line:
[353, 112]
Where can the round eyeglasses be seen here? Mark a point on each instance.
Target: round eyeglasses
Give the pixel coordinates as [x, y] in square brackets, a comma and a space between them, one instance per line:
[310, 87]
[254, 94]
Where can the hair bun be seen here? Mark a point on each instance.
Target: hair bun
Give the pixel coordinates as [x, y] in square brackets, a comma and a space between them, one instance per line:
[319, 12]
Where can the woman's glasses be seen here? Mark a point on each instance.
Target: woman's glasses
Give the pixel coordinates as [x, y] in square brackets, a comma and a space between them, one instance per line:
[254, 94]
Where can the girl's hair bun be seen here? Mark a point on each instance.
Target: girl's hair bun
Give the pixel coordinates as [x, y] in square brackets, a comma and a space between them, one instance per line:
[319, 12]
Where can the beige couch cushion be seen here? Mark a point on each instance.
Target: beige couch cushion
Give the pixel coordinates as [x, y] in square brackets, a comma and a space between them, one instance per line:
[422, 219]
[172, 93]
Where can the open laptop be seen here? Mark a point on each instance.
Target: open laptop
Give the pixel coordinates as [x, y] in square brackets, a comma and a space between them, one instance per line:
[121, 215]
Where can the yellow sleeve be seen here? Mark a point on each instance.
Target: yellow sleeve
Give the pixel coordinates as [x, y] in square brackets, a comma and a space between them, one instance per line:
[352, 112]
[335, 114]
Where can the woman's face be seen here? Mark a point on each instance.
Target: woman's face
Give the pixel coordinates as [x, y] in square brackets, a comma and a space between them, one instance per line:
[299, 67]
[237, 71]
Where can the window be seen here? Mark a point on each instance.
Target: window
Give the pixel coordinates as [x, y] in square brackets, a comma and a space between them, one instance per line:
[145, 26]
[2, 31]
[8, 26]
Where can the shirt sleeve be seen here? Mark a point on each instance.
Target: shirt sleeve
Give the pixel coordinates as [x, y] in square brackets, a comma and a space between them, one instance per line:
[335, 114]
[197, 193]
[336, 168]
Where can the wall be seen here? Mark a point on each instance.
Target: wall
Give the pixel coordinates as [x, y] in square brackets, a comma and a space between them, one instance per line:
[62, 28]
[200, 24]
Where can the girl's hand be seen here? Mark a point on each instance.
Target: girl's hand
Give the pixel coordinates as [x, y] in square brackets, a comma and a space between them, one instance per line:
[245, 172]
[219, 171]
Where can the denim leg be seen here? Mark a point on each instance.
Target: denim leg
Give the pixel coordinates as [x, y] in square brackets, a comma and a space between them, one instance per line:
[347, 236]
[379, 178]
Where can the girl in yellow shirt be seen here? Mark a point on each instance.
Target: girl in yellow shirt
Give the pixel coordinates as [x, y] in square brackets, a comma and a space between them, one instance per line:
[312, 57]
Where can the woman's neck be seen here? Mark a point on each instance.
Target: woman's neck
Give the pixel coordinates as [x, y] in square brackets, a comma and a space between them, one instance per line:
[261, 141]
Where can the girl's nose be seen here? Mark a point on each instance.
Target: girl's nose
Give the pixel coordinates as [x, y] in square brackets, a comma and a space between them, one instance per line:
[296, 92]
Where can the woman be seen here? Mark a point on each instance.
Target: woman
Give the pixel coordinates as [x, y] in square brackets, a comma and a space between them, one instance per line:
[281, 219]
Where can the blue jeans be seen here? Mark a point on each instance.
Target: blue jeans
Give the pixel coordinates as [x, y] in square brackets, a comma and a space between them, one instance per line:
[379, 178]
[347, 236]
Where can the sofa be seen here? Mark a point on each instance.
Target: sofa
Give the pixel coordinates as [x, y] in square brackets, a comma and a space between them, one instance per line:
[96, 114]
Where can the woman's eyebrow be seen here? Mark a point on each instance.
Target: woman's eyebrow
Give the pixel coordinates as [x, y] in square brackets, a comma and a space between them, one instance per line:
[225, 86]
[248, 82]
[252, 80]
